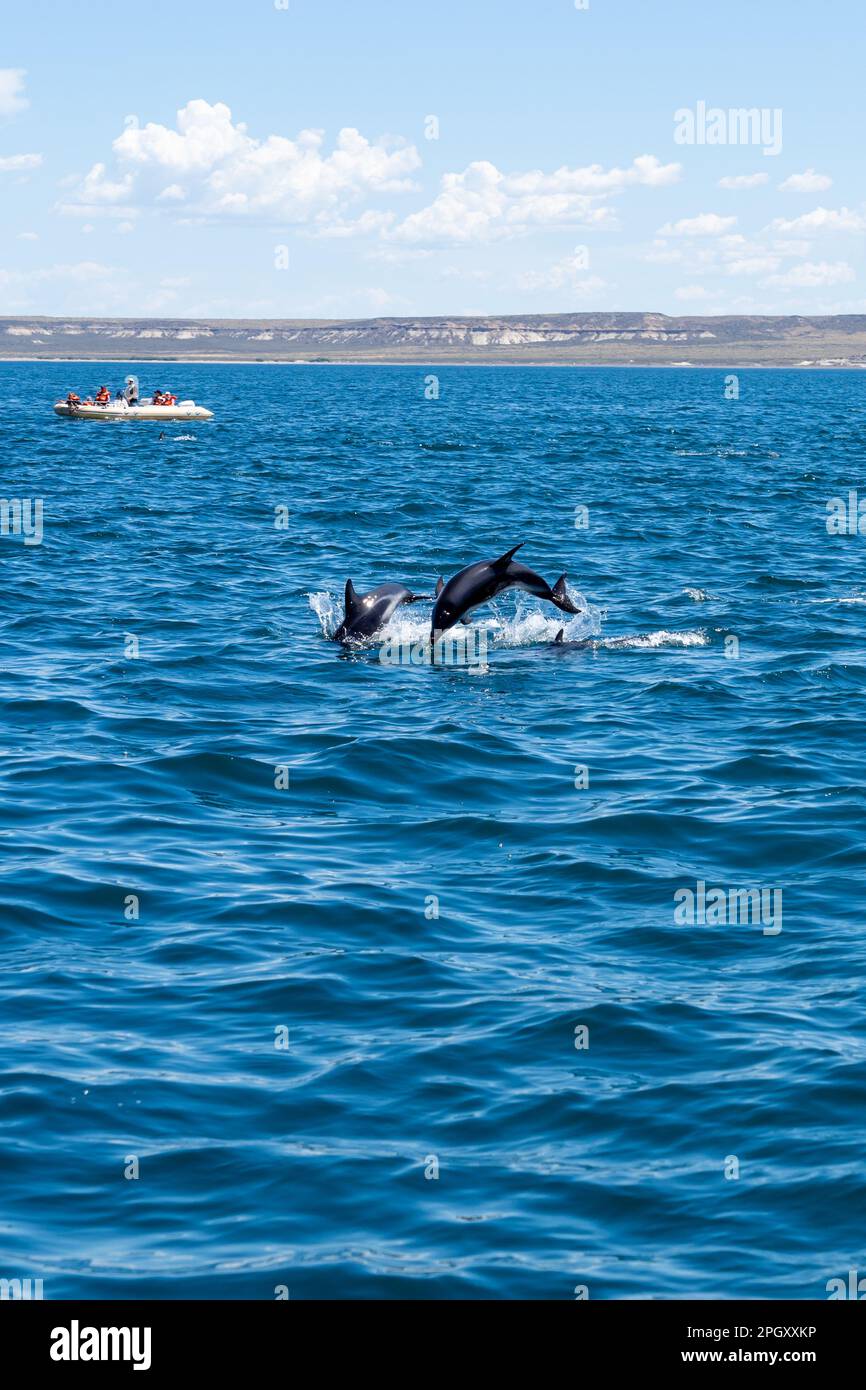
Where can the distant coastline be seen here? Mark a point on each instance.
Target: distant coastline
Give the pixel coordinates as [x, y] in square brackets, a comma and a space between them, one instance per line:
[573, 340]
[840, 365]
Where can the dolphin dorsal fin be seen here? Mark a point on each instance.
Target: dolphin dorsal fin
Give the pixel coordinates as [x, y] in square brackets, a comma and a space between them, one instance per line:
[440, 585]
[352, 600]
[560, 637]
[504, 560]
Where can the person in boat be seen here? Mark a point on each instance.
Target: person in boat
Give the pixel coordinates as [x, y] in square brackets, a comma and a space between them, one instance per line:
[157, 397]
[103, 396]
[73, 399]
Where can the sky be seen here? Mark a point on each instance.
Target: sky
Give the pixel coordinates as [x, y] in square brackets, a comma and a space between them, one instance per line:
[338, 159]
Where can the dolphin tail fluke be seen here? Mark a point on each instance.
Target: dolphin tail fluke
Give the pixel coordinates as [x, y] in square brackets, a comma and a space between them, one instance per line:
[440, 585]
[504, 560]
[420, 598]
[561, 598]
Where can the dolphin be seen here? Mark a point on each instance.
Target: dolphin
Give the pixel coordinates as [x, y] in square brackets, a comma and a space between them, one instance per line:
[366, 613]
[561, 643]
[479, 583]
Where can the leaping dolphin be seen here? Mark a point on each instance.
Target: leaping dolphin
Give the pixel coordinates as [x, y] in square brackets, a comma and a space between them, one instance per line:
[366, 613]
[479, 583]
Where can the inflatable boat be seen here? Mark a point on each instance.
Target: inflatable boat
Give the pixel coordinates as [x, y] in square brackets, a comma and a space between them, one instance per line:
[122, 410]
[128, 406]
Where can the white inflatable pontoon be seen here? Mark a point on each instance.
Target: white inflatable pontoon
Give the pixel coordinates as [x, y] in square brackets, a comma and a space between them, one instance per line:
[128, 407]
[121, 410]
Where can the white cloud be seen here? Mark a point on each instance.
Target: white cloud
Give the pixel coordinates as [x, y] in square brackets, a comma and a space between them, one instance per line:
[96, 195]
[12, 98]
[814, 275]
[792, 248]
[483, 203]
[96, 188]
[88, 210]
[28, 236]
[327, 225]
[761, 258]
[808, 182]
[87, 287]
[731, 255]
[593, 178]
[705, 224]
[743, 180]
[821, 220]
[753, 265]
[217, 169]
[10, 163]
[399, 255]
[227, 173]
[205, 138]
[468, 208]
[81, 272]
[569, 273]
[462, 273]
[371, 301]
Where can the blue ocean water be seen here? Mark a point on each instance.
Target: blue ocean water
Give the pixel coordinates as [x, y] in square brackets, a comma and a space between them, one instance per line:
[510, 1071]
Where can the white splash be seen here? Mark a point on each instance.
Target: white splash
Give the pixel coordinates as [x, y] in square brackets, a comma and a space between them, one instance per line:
[699, 595]
[528, 625]
[328, 611]
[651, 640]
